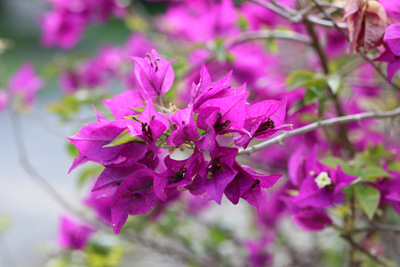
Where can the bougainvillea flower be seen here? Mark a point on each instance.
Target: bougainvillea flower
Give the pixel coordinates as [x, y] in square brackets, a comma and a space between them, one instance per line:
[149, 126]
[177, 173]
[100, 205]
[64, 25]
[393, 60]
[311, 219]
[112, 176]
[203, 86]
[199, 21]
[92, 139]
[392, 8]
[219, 116]
[263, 120]
[184, 126]
[24, 85]
[72, 234]
[135, 195]
[62, 28]
[387, 186]
[367, 21]
[394, 199]
[250, 186]
[154, 74]
[323, 185]
[297, 166]
[392, 38]
[392, 53]
[260, 251]
[137, 45]
[207, 88]
[214, 177]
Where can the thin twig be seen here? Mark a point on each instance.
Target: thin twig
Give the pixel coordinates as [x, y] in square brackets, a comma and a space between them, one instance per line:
[379, 227]
[363, 250]
[296, 17]
[268, 34]
[315, 125]
[30, 169]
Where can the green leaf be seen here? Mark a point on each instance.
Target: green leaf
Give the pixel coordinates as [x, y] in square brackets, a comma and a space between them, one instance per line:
[138, 109]
[369, 199]
[315, 90]
[217, 236]
[72, 150]
[373, 156]
[310, 97]
[66, 108]
[333, 162]
[334, 82]
[99, 255]
[122, 138]
[372, 173]
[394, 166]
[298, 78]
[89, 173]
[242, 23]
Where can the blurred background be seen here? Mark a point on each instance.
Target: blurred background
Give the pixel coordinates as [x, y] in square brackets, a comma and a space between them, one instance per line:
[28, 216]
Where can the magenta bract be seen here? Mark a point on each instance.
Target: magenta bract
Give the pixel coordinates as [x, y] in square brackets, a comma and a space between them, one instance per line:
[153, 74]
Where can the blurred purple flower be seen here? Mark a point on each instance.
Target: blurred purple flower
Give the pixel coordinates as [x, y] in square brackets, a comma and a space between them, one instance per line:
[24, 85]
[72, 234]
[3, 100]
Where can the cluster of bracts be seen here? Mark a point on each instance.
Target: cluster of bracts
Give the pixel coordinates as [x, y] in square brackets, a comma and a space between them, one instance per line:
[136, 147]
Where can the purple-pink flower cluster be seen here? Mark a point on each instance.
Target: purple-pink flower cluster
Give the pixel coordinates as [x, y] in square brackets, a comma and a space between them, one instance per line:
[136, 148]
[109, 63]
[64, 25]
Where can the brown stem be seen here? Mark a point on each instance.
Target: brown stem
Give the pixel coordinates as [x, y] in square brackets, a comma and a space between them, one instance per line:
[324, 62]
[363, 250]
[351, 228]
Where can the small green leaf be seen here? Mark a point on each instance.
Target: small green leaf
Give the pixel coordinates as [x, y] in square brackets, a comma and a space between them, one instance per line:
[333, 162]
[394, 166]
[122, 138]
[99, 255]
[369, 199]
[216, 236]
[373, 156]
[298, 78]
[310, 97]
[88, 174]
[242, 23]
[372, 173]
[72, 150]
[138, 109]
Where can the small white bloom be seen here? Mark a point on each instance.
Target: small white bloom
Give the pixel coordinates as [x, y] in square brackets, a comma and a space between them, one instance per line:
[323, 180]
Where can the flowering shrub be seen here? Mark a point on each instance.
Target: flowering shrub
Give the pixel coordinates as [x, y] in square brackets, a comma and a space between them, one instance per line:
[257, 100]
